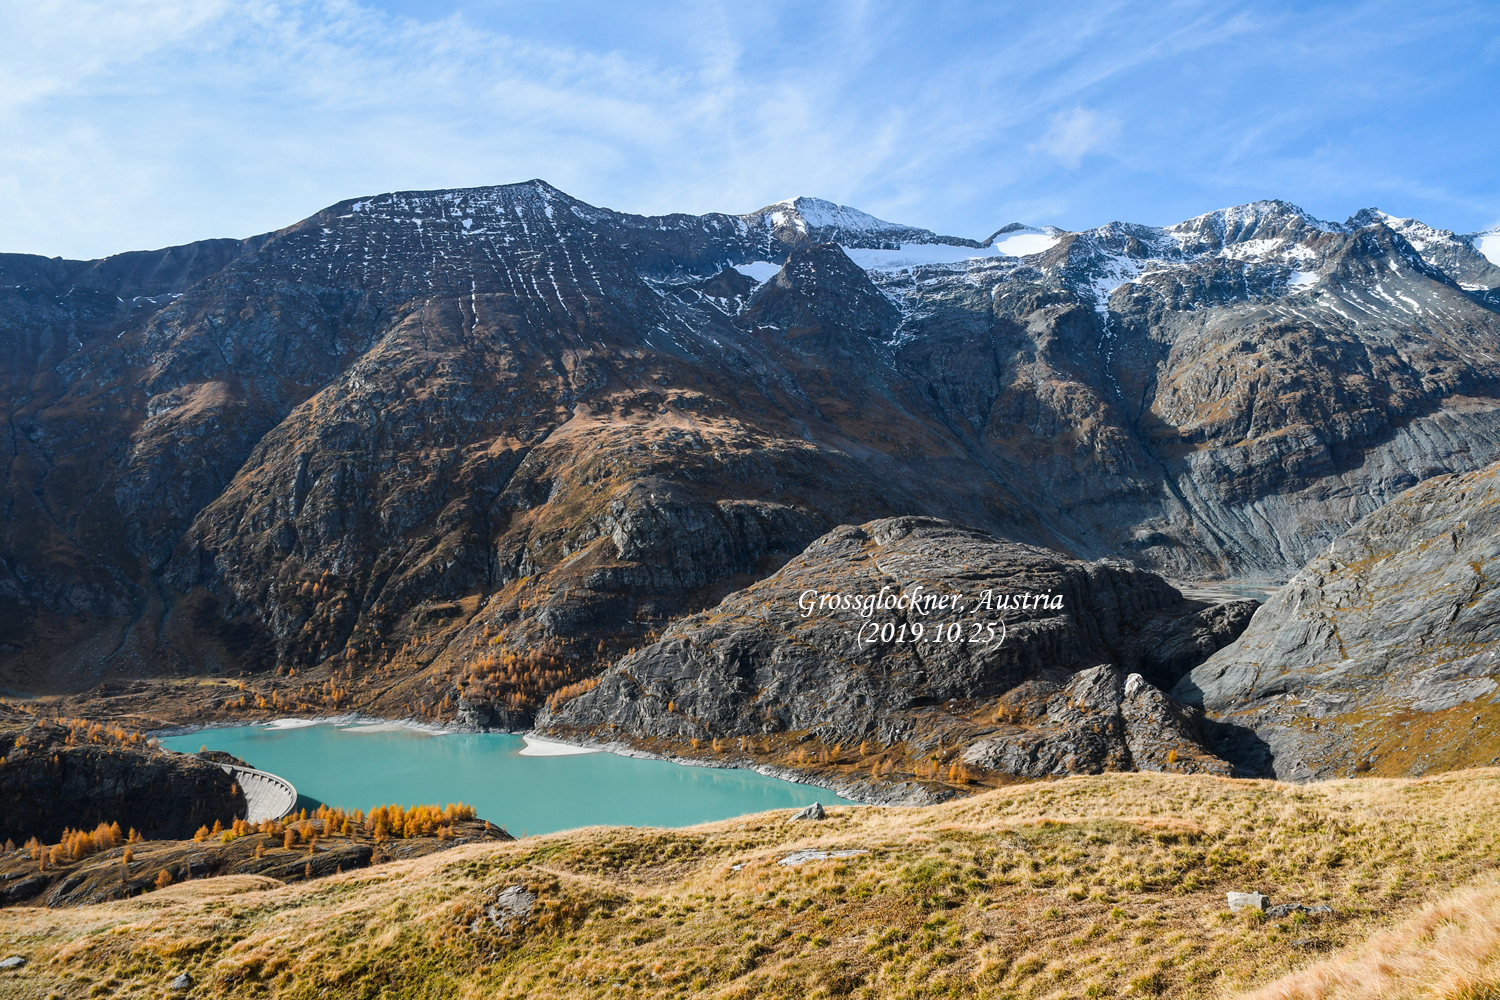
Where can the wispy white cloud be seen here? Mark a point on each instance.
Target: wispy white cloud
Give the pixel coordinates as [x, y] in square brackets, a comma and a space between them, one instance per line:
[145, 122]
[1073, 133]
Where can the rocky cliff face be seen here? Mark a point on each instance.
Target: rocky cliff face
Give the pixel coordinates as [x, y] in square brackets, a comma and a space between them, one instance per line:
[447, 453]
[913, 631]
[1380, 654]
[57, 776]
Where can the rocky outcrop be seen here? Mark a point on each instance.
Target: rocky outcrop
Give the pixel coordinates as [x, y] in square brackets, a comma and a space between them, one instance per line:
[56, 776]
[1098, 720]
[1381, 653]
[872, 624]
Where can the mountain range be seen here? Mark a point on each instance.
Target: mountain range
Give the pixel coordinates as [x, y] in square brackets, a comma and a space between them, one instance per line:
[455, 454]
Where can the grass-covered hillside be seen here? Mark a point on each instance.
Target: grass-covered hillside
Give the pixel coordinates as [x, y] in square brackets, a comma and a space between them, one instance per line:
[1095, 886]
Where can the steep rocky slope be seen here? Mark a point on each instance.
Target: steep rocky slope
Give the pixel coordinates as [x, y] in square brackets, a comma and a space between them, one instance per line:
[55, 776]
[447, 453]
[929, 646]
[1380, 654]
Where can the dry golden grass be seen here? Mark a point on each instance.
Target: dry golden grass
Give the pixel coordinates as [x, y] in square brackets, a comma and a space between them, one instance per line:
[1097, 886]
[1448, 951]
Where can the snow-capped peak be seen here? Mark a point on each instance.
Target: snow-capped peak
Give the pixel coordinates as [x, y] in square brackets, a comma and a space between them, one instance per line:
[800, 220]
[1419, 234]
[1258, 220]
[822, 214]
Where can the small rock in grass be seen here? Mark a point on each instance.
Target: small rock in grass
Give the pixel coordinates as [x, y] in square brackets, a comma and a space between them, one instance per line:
[183, 982]
[1248, 901]
[798, 857]
[1281, 910]
[814, 811]
[510, 909]
[13, 962]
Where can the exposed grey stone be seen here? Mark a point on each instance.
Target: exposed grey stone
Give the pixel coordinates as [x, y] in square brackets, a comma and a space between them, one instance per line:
[814, 811]
[1281, 910]
[13, 962]
[761, 662]
[802, 857]
[511, 907]
[1399, 614]
[182, 982]
[1247, 901]
[1102, 721]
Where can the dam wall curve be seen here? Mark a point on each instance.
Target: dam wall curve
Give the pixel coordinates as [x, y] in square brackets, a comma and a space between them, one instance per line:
[267, 795]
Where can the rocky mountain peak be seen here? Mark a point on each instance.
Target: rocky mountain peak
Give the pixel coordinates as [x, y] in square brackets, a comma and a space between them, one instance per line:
[821, 292]
[1239, 224]
[803, 221]
[533, 197]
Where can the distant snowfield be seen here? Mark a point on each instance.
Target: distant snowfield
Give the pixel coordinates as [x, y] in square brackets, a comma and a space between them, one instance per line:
[1299, 278]
[918, 254]
[760, 270]
[1489, 245]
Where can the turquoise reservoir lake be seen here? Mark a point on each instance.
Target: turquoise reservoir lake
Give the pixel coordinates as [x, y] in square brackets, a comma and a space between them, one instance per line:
[363, 765]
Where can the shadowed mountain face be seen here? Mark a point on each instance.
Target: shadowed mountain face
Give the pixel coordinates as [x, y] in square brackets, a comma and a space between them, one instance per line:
[448, 452]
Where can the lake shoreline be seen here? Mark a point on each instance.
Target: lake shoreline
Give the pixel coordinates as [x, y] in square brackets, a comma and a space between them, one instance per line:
[862, 792]
[373, 764]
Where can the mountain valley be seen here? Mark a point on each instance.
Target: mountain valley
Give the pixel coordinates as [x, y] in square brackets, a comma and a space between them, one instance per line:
[477, 456]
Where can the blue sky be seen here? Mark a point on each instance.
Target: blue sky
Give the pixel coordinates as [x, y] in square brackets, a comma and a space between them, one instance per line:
[140, 123]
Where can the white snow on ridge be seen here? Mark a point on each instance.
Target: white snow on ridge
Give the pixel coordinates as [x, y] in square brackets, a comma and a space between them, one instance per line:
[803, 213]
[1489, 245]
[1252, 249]
[918, 254]
[1299, 279]
[823, 214]
[1025, 244]
[760, 271]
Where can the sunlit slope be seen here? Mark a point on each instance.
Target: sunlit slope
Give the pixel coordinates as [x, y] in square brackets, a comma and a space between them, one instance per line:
[1092, 886]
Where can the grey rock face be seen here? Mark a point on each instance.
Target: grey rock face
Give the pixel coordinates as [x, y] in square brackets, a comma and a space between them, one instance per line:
[1282, 910]
[182, 983]
[768, 659]
[12, 962]
[50, 782]
[1098, 721]
[1398, 615]
[814, 811]
[1248, 901]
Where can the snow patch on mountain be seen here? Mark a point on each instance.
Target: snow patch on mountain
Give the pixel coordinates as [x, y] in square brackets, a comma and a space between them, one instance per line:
[1020, 244]
[1115, 270]
[759, 271]
[1027, 242]
[1489, 245]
